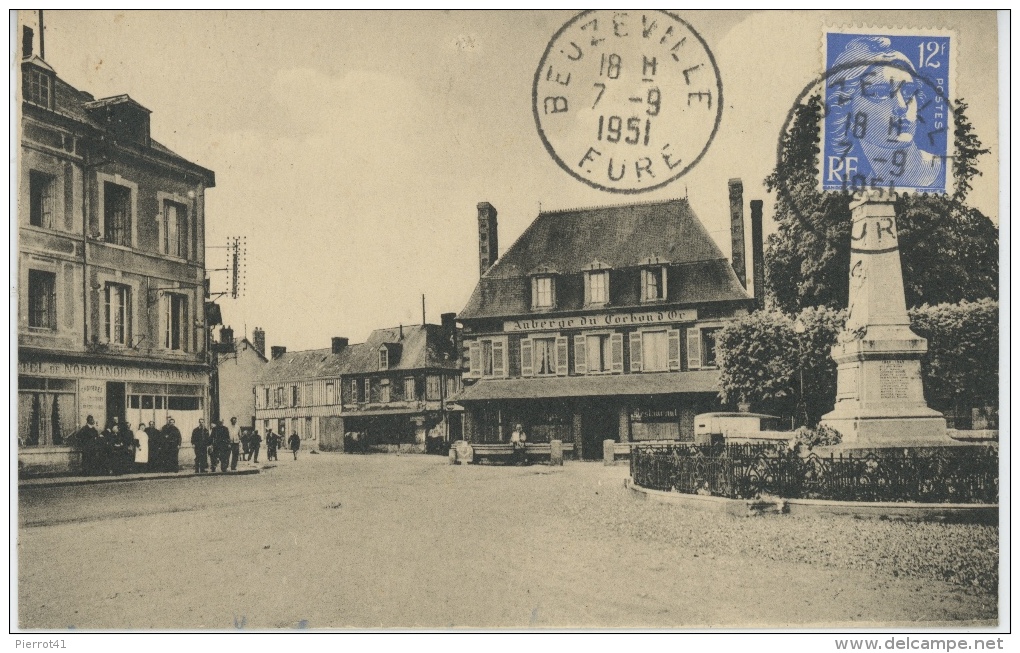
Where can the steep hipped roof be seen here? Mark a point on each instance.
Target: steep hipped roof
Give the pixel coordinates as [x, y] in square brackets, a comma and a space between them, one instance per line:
[421, 347]
[619, 237]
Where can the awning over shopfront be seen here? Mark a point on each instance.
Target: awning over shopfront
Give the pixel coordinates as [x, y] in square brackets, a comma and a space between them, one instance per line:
[384, 412]
[591, 386]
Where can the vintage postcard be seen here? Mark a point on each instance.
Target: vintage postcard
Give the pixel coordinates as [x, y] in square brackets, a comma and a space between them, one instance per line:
[509, 321]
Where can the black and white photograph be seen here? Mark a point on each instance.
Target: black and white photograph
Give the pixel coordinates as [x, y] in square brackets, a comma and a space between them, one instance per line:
[545, 321]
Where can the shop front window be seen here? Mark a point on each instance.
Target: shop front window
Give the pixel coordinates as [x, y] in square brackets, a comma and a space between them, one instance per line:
[47, 411]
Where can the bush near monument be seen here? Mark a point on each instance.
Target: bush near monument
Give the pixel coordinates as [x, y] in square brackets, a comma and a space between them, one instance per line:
[961, 369]
[760, 357]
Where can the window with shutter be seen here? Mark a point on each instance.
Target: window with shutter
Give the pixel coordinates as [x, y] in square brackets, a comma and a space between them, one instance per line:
[498, 358]
[693, 349]
[674, 349]
[616, 345]
[561, 356]
[580, 356]
[527, 358]
[635, 351]
[475, 359]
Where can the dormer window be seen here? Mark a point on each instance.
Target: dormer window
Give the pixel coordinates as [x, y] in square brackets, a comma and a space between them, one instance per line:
[37, 86]
[596, 288]
[384, 358]
[543, 291]
[653, 283]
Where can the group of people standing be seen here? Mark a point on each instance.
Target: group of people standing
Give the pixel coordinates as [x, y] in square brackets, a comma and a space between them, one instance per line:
[226, 444]
[120, 450]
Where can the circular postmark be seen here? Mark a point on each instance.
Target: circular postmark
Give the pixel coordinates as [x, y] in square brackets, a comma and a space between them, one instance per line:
[627, 101]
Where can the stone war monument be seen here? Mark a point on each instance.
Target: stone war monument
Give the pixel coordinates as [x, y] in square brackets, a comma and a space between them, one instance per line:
[879, 394]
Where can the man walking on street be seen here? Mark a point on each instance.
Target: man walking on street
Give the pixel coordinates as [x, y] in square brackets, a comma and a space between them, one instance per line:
[272, 443]
[172, 442]
[200, 439]
[235, 443]
[221, 446]
[256, 444]
[295, 443]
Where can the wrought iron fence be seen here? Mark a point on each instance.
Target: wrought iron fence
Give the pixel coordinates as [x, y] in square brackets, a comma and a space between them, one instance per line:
[936, 475]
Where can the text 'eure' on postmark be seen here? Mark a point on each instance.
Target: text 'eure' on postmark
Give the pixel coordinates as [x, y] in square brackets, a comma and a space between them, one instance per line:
[627, 101]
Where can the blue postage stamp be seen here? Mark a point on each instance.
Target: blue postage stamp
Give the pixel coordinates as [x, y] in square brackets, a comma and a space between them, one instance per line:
[888, 112]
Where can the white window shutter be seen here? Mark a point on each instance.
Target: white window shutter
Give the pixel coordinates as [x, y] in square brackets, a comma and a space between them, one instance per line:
[616, 347]
[474, 359]
[527, 358]
[693, 348]
[580, 355]
[665, 282]
[635, 351]
[561, 356]
[534, 292]
[498, 358]
[674, 349]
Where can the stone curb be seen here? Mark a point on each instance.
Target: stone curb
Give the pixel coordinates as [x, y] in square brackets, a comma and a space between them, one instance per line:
[99, 480]
[966, 512]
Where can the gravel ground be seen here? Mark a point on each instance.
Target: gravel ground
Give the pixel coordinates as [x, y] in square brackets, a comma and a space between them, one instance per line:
[333, 541]
[962, 554]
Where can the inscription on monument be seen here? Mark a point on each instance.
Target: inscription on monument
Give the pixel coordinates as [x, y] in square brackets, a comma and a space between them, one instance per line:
[895, 380]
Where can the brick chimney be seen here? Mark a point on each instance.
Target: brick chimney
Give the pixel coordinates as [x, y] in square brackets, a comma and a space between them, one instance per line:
[277, 351]
[226, 336]
[757, 255]
[339, 344]
[258, 337]
[27, 41]
[737, 229]
[488, 237]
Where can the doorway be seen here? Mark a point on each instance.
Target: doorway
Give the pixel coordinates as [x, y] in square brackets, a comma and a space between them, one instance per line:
[599, 422]
[115, 404]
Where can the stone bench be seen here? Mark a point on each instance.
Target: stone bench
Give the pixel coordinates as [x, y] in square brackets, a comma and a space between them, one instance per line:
[503, 451]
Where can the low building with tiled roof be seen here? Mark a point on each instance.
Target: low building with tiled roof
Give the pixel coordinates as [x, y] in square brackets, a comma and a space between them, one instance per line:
[390, 392]
[599, 324]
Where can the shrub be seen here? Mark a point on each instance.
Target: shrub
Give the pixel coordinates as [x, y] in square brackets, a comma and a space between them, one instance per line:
[961, 368]
[761, 358]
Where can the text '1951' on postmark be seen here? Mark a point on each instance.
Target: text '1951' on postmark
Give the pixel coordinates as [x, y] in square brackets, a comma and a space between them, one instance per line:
[627, 101]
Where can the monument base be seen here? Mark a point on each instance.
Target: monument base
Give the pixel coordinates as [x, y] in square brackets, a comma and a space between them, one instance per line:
[875, 432]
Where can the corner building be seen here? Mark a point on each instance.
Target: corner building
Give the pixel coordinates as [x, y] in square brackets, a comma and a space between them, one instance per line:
[111, 270]
[599, 324]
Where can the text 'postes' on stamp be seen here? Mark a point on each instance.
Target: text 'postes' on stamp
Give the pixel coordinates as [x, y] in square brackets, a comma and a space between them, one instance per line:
[627, 101]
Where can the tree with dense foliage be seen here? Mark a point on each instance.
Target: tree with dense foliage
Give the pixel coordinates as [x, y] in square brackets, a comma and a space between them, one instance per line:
[949, 251]
[961, 369]
[762, 355]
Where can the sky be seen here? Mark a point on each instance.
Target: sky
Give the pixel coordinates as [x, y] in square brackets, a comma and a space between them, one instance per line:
[351, 148]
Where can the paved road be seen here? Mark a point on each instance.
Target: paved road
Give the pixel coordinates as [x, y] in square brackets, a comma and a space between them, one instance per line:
[409, 541]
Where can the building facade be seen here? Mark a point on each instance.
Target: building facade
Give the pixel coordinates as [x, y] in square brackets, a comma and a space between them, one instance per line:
[389, 393]
[599, 324]
[236, 365]
[111, 269]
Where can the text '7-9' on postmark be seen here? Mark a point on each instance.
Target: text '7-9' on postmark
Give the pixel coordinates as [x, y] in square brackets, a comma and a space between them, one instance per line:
[627, 101]
[888, 120]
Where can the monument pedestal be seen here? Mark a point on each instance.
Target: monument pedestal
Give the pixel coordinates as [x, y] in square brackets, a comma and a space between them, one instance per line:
[879, 393]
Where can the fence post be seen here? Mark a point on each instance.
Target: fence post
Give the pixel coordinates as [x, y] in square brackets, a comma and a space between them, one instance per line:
[556, 452]
[609, 452]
